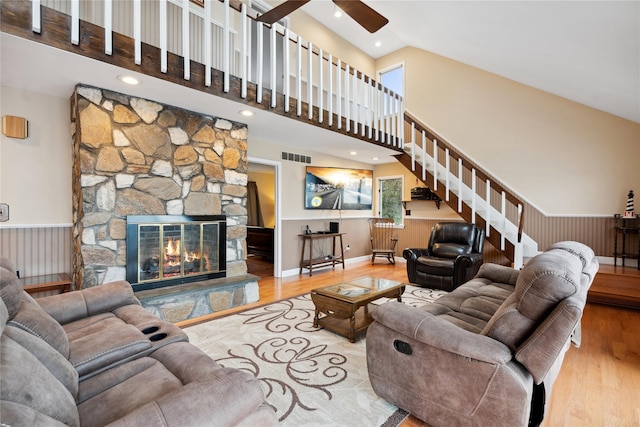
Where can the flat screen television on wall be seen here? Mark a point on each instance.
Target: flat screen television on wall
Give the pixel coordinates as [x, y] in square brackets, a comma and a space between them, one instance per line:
[338, 188]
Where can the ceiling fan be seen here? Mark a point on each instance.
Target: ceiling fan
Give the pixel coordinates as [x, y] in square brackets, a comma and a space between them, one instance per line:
[368, 18]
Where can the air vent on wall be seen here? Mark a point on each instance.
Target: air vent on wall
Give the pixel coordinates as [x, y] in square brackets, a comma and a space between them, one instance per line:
[296, 157]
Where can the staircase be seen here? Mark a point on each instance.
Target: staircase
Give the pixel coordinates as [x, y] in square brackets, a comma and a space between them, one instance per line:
[467, 189]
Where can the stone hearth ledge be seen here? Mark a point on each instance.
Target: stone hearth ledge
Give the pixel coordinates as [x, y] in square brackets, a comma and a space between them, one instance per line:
[195, 299]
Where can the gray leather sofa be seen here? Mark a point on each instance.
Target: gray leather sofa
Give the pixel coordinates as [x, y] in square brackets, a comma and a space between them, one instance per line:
[95, 357]
[488, 353]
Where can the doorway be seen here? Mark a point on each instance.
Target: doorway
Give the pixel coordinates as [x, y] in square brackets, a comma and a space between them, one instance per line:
[263, 231]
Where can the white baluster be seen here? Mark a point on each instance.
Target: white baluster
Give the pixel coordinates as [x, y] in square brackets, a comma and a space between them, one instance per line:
[299, 77]
[75, 22]
[372, 105]
[310, 81]
[260, 59]
[226, 66]
[36, 17]
[320, 87]
[474, 196]
[435, 164]
[243, 50]
[413, 146]
[347, 98]
[108, 27]
[356, 101]
[363, 104]
[447, 165]
[273, 62]
[402, 123]
[163, 35]
[424, 156]
[519, 216]
[207, 43]
[339, 95]
[330, 89]
[287, 73]
[186, 54]
[488, 200]
[459, 185]
[503, 214]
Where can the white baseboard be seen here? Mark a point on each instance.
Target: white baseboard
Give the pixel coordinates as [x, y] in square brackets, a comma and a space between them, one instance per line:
[296, 271]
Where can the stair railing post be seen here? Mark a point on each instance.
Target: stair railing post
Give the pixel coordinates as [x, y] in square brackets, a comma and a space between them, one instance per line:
[108, 26]
[185, 36]
[287, 67]
[488, 200]
[447, 165]
[424, 155]
[503, 214]
[320, 87]
[435, 164]
[260, 59]
[459, 184]
[163, 35]
[75, 22]
[244, 50]
[273, 63]
[310, 80]
[330, 90]
[474, 195]
[36, 17]
[207, 43]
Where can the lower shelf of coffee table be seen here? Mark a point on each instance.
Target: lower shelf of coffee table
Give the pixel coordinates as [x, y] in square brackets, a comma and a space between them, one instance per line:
[343, 326]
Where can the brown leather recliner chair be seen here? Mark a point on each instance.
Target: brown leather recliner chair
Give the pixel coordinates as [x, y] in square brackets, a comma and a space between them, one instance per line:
[453, 257]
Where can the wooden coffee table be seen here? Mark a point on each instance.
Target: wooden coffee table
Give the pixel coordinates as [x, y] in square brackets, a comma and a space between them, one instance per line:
[340, 304]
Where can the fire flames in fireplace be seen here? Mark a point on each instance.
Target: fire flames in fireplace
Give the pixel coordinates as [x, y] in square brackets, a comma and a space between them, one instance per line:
[192, 260]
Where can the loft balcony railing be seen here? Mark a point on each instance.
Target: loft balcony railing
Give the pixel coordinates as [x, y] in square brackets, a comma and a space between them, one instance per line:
[228, 38]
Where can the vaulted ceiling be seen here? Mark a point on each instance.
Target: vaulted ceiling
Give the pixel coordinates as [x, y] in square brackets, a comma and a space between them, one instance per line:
[585, 51]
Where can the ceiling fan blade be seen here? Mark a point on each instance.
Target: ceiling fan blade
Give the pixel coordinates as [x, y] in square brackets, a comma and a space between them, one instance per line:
[282, 10]
[371, 20]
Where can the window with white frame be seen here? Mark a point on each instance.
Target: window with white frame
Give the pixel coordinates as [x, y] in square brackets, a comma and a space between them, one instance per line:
[390, 190]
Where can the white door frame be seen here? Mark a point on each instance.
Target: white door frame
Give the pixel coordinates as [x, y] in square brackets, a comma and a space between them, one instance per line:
[277, 234]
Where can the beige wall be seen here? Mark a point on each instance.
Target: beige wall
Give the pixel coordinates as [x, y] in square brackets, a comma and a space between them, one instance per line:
[266, 193]
[562, 157]
[35, 173]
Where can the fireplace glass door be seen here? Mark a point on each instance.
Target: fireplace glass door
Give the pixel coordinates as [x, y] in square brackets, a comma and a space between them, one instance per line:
[174, 251]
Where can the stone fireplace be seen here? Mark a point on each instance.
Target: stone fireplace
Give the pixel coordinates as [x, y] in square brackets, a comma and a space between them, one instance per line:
[136, 157]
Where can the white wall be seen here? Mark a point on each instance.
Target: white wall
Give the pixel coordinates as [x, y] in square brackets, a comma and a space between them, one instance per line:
[35, 173]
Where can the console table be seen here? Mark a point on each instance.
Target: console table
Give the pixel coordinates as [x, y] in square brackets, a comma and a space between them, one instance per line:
[626, 226]
[60, 282]
[330, 259]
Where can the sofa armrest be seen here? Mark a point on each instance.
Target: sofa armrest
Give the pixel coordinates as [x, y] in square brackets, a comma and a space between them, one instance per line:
[436, 332]
[71, 306]
[498, 273]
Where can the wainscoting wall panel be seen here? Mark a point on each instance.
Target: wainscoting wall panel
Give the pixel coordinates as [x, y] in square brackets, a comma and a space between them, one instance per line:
[37, 250]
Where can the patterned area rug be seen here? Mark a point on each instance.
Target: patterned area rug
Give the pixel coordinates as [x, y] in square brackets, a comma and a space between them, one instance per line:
[311, 376]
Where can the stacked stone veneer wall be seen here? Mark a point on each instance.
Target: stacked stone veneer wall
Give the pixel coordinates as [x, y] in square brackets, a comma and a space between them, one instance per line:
[134, 156]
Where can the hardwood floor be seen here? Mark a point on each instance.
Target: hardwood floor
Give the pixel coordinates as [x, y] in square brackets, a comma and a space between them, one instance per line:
[598, 385]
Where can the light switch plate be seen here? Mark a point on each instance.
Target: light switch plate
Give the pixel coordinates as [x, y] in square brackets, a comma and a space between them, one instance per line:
[4, 212]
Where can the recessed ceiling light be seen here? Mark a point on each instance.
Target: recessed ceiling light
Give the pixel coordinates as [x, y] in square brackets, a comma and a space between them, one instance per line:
[337, 12]
[246, 113]
[130, 80]
[375, 158]
[353, 153]
[378, 43]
